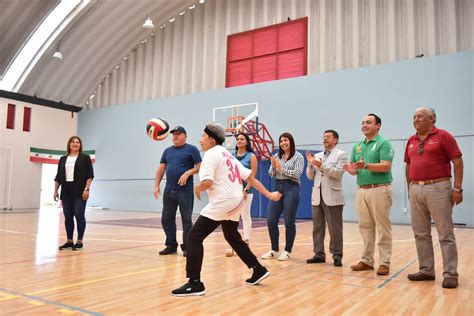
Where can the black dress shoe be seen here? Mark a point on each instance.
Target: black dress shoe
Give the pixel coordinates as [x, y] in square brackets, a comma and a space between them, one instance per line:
[316, 260]
[167, 251]
[337, 262]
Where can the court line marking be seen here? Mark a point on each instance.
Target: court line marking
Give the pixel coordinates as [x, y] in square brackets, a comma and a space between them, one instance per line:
[179, 264]
[92, 281]
[74, 254]
[393, 276]
[42, 300]
[390, 279]
[210, 243]
[173, 266]
[156, 269]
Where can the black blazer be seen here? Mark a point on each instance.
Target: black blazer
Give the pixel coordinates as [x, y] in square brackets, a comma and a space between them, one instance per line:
[82, 172]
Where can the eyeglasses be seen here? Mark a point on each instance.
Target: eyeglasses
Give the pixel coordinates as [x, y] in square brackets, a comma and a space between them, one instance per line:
[420, 147]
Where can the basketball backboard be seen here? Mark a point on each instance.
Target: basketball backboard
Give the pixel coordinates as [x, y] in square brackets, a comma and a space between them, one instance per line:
[237, 118]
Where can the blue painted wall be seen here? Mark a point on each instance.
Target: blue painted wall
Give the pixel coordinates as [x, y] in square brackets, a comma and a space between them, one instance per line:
[305, 106]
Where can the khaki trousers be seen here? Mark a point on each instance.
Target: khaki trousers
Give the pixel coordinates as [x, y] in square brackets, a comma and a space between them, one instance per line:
[373, 208]
[434, 201]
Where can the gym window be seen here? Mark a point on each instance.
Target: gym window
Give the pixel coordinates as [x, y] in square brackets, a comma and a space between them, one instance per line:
[27, 119]
[11, 116]
[270, 53]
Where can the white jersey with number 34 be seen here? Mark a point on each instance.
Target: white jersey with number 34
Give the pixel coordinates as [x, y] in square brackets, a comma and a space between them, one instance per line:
[225, 195]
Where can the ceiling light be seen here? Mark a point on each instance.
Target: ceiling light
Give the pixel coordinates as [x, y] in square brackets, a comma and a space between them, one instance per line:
[92, 96]
[182, 12]
[152, 34]
[143, 42]
[117, 67]
[100, 86]
[192, 7]
[201, 1]
[58, 55]
[148, 23]
[172, 20]
[163, 26]
[125, 58]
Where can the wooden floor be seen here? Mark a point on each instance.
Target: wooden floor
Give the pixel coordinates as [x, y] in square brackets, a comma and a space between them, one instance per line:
[120, 272]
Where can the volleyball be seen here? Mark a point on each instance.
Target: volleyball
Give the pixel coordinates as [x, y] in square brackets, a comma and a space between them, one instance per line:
[157, 129]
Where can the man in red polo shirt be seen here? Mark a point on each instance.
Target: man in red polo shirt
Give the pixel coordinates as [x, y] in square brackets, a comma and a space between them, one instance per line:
[428, 158]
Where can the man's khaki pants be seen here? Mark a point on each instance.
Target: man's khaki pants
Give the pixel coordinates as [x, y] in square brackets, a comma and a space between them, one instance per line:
[373, 208]
[434, 201]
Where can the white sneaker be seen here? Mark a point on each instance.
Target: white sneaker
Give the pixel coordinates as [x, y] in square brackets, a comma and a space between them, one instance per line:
[284, 256]
[270, 255]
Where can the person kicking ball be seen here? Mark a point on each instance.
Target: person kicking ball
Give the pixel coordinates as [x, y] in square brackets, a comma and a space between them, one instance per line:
[221, 175]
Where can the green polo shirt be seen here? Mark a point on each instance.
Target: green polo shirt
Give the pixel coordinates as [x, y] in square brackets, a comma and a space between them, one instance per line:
[373, 151]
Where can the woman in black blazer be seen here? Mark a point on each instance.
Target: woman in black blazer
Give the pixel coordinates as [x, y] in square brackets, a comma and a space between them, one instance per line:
[75, 174]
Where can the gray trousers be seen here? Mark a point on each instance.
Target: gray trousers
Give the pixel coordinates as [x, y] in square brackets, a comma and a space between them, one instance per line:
[434, 201]
[332, 215]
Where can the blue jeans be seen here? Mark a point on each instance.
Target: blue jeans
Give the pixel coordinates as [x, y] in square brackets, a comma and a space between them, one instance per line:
[171, 200]
[288, 204]
[74, 207]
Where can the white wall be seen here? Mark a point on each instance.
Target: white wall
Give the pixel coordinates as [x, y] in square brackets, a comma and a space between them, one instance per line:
[50, 129]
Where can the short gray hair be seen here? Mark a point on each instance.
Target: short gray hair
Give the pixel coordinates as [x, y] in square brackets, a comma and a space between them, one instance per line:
[430, 111]
[216, 131]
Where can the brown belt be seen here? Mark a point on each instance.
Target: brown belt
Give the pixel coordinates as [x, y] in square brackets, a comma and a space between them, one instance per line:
[430, 181]
[371, 186]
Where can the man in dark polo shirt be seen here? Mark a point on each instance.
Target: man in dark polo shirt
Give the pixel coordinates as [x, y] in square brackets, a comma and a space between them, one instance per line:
[371, 161]
[180, 162]
[428, 158]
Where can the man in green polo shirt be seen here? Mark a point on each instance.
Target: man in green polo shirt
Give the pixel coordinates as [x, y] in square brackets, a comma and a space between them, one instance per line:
[371, 161]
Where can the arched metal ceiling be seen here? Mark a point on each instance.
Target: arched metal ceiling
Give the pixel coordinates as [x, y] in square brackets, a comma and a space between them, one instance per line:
[18, 19]
[92, 44]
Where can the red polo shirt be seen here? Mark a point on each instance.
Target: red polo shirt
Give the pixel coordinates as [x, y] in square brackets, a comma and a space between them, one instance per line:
[439, 148]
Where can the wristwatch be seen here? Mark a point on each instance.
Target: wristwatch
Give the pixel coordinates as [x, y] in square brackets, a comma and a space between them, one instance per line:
[458, 190]
[246, 190]
[86, 189]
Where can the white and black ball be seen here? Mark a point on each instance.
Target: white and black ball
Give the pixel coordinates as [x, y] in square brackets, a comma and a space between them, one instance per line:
[157, 129]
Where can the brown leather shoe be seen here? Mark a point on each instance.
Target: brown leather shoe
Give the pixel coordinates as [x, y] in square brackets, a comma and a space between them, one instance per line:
[383, 270]
[420, 276]
[361, 266]
[450, 283]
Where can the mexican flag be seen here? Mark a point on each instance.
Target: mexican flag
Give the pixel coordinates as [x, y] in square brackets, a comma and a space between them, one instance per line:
[52, 156]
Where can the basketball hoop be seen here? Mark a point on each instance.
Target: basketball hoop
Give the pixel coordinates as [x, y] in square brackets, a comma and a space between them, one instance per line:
[234, 124]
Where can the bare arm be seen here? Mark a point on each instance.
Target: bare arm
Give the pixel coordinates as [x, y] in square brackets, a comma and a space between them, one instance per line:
[202, 186]
[188, 173]
[159, 175]
[195, 169]
[56, 188]
[458, 167]
[274, 196]
[407, 174]
[382, 166]
[85, 193]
